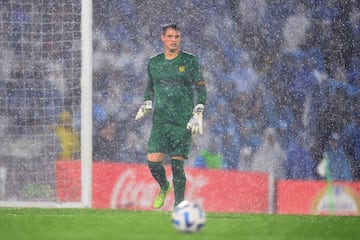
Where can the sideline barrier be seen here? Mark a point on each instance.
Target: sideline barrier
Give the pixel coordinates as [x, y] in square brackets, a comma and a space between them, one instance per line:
[131, 186]
[318, 198]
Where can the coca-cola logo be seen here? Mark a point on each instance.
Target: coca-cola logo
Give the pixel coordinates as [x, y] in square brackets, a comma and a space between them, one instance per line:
[131, 191]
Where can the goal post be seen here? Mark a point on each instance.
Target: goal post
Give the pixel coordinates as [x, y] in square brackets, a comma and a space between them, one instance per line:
[45, 97]
[86, 102]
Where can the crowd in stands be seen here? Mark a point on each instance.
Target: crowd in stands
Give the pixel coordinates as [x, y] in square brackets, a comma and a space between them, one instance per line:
[283, 79]
[37, 58]
[39, 79]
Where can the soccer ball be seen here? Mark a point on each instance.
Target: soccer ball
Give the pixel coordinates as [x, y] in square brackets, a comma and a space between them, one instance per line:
[188, 217]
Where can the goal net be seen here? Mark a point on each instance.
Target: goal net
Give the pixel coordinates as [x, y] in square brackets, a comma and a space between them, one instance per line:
[40, 82]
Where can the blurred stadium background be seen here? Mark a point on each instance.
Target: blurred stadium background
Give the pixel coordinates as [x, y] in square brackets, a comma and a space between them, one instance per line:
[281, 70]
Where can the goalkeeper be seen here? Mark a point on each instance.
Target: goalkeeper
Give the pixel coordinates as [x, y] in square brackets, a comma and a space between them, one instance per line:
[176, 93]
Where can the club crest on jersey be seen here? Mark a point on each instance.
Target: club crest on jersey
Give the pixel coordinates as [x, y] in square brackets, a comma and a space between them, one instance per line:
[181, 68]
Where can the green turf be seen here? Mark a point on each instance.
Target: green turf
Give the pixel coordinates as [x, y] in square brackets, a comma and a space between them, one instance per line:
[67, 224]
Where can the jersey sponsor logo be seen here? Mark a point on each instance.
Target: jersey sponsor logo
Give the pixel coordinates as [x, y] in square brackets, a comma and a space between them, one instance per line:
[182, 68]
[168, 83]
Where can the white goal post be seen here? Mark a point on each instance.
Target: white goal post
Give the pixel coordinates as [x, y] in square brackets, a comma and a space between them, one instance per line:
[86, 103]
[45, 84]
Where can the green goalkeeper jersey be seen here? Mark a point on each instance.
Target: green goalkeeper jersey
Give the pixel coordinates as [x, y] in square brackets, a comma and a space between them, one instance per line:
[175, 87]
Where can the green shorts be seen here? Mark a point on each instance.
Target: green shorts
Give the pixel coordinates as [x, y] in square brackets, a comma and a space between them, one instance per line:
[169, 139]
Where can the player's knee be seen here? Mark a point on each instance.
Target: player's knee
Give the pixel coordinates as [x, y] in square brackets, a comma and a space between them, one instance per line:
[178, 157]
[155, 157]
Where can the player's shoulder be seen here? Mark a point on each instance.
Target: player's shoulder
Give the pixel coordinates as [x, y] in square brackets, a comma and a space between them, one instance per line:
[189, 57]
[188, 54]
[183, 54]
[157, 56]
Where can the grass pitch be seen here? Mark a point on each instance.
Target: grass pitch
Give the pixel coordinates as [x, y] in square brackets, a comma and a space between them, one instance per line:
[77, 224]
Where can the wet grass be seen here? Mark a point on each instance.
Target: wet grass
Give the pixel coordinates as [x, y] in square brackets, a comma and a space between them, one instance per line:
[34, 223]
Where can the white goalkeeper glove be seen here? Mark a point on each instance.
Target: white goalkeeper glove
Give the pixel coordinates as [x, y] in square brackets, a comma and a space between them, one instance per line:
[144, 110]
[195, 124]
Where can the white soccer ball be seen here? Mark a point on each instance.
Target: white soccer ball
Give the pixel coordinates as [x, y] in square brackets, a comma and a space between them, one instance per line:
[188, 217]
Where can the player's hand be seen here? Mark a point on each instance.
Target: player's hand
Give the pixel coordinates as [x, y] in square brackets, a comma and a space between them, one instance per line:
[144, 110]
[195, 124]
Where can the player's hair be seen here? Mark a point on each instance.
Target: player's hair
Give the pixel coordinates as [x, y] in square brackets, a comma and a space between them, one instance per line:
[167, 26]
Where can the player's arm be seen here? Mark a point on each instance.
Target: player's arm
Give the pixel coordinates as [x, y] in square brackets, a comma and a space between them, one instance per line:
[199, 83]
[201, 92]
[195, 124]
[146, 107]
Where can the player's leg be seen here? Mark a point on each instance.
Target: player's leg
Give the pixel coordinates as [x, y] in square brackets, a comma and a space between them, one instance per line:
[158, 171]
[155, 157]
[181, 143]
[157, 168]
[179, 178]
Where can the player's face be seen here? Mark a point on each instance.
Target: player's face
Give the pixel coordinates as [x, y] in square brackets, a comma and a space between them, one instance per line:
[171, 40]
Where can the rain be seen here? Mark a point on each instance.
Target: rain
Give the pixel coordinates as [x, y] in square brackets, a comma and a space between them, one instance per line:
[282, 80]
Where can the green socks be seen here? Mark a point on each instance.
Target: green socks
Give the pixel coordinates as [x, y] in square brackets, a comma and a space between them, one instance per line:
[158, 171]
[179, 180]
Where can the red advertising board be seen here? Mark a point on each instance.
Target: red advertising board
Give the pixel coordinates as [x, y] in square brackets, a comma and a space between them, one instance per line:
[318, 198]
[131, 186]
